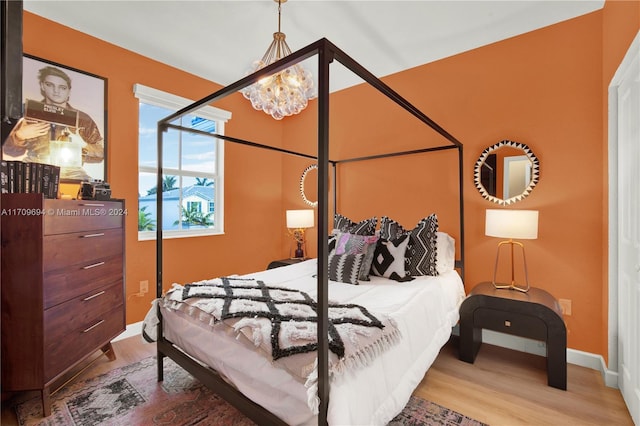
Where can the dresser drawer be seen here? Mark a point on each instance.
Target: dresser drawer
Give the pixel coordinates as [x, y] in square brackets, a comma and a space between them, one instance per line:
[510, 322]
[65, 216]
[64, 250]
[81, 311]
[64, 284]
[62, 353]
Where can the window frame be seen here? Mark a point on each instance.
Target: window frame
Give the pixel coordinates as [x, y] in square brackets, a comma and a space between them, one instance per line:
[161, 99]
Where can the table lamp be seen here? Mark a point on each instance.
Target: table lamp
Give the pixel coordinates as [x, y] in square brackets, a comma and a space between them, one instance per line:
[512, 224]
[297, 221]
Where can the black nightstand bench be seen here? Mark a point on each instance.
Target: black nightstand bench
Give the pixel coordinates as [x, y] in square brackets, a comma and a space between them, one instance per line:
[536, 315]
[283, 262]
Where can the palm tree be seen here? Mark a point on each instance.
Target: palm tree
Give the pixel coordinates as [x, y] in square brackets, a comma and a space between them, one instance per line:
[204, 182]
[145, 223]
[195, 217]
[168, 183]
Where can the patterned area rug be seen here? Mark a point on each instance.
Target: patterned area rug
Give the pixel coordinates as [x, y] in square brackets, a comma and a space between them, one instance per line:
[131, 396]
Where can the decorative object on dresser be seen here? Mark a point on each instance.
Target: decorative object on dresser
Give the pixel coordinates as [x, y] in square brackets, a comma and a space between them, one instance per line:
[62, 287]
[536, 315]
[297, 221]
[519, 224]
[64, 120]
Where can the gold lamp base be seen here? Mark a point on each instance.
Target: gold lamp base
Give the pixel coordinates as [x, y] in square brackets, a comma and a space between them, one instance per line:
[513, 285]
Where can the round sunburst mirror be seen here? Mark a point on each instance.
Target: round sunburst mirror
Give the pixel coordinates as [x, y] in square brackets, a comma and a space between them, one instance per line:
[309, 185]
[506, 172]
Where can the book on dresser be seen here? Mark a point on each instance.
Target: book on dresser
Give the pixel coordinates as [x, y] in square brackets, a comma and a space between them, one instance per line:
[63, 289]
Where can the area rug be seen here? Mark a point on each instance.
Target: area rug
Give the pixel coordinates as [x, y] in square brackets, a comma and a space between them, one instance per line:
[131, 396]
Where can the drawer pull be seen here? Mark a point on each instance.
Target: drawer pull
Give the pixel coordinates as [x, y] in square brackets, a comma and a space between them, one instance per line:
[507, 323]
[92, 204]
[93, 326]
[95, 295]
[93, 266]
[93, 235]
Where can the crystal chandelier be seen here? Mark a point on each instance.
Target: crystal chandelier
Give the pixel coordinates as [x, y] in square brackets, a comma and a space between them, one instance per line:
[288, 91]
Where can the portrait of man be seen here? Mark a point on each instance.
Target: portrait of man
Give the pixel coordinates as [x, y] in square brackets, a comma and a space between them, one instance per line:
[64, 112]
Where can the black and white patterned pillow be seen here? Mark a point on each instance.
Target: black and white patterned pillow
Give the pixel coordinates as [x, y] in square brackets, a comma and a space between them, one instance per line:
[345, 268]
[422, 251]
[364, 227]
[355, 244]
[390, 229]
[421, 255]
[331, 242]
[389, 258]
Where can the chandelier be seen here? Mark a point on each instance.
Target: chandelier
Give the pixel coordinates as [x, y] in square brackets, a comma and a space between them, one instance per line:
[286, 92]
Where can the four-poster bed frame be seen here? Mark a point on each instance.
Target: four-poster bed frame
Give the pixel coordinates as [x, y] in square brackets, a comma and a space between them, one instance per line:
[326, 53]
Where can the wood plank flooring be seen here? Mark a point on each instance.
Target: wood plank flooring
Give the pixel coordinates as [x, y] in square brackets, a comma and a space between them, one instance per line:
[502, 387]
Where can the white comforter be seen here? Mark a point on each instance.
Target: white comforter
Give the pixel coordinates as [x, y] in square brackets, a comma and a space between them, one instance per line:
[424, 309]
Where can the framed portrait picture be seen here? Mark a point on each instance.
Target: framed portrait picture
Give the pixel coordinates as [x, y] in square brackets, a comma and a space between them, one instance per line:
[64, 121]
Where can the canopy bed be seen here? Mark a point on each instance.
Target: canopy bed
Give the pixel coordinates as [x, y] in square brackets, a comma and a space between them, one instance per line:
[313, 280]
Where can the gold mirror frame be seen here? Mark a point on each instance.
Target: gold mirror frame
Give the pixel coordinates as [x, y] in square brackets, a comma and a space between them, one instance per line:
[302, 178]
[535, 172]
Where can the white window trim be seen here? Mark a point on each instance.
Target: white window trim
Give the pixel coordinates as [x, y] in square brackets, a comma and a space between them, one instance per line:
[162, 99]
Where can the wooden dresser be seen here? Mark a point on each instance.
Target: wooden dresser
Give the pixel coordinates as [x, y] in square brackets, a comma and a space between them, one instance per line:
[62, 286]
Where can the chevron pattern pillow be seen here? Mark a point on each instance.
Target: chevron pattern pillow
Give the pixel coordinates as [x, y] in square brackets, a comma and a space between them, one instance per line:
[345, 268]
[422, 251]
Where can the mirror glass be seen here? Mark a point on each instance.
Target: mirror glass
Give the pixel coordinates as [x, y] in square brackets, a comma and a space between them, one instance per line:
[506, 172]
[309, 185]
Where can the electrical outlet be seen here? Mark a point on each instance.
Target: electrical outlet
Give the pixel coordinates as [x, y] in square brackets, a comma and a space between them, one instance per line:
[144, 287]
[565, 305]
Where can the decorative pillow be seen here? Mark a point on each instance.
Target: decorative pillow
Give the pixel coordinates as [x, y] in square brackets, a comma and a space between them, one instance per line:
[331, 243]
[446, 252]
[388, 258]
[390, 229]
[422, 250]
[356, 244]
[364, 227]
[345, 268]
[421, 253]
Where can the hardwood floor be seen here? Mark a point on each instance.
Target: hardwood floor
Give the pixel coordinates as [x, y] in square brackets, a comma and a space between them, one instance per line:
[502, 387]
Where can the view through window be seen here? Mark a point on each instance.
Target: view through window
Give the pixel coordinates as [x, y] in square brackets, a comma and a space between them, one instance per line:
[192, 182]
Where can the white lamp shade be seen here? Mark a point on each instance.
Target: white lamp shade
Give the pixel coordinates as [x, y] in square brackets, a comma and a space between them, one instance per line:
[517, 224]
[300, 218]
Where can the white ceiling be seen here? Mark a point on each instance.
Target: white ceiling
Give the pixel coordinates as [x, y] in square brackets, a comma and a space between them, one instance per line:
[218, 40]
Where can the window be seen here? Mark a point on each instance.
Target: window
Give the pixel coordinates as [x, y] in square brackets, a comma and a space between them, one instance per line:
[194, 206]
[193, 168]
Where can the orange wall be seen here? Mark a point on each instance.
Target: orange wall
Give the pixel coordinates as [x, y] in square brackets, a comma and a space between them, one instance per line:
[545, 89]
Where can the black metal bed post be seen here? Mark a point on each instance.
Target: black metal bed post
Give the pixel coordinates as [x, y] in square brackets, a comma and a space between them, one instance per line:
[334, 183]
[461, 201]
[324, 59]
[159, 199]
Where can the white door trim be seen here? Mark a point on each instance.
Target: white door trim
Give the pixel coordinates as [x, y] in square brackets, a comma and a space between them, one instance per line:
[633, 54]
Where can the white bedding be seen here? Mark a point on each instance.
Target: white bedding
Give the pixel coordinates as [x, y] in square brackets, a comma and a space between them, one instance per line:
[425, 310]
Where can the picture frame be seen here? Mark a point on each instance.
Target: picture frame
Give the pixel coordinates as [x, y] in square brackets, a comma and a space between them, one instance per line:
[64, 121]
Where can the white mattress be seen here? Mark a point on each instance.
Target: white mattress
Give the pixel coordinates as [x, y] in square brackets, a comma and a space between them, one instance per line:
[425, 310]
